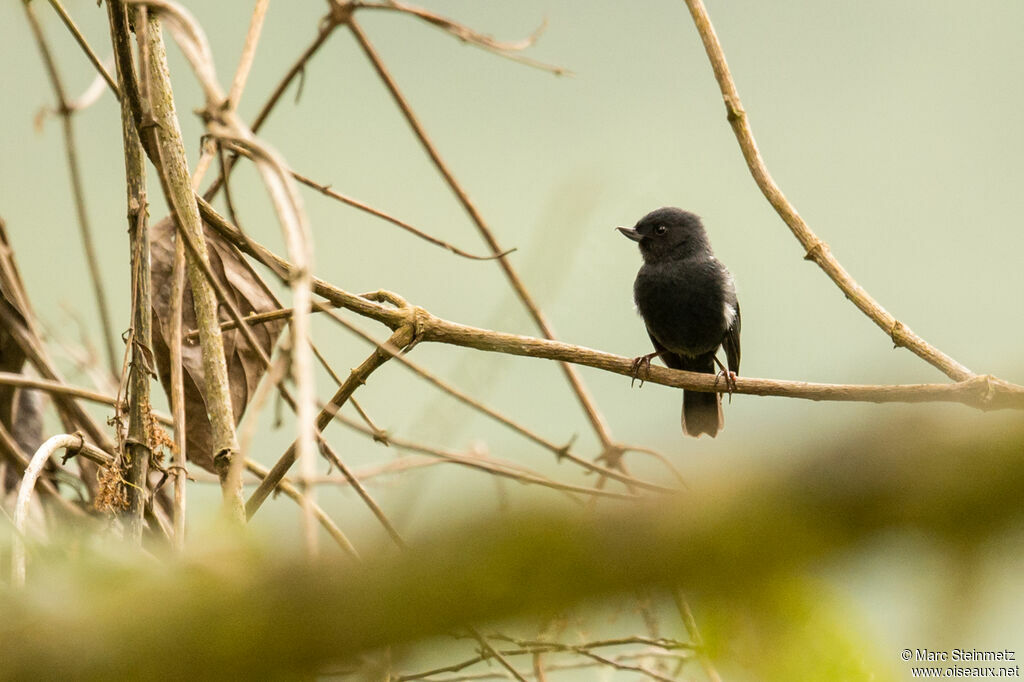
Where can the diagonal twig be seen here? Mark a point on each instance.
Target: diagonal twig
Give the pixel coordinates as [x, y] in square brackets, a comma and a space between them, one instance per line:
[816, 250]
[328, 191]
[65, 112]
[575, 382]
[84, 44]
[508, 50]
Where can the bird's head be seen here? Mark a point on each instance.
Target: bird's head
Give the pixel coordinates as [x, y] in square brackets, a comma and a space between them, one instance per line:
[667, 234]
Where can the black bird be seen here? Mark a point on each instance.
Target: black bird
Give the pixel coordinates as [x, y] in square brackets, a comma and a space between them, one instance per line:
[688, 302]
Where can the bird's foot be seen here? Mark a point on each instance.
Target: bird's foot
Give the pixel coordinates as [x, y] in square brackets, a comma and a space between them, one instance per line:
[641, 364]
[730, 381]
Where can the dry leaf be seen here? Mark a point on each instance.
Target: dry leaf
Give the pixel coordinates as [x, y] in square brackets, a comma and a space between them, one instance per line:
[245, 368]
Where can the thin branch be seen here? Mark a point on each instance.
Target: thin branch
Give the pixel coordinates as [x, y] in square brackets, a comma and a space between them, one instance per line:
[10, 449]
[586, 401]
[61, 388]
[389, 468]
[619, 665]
[211, 148]
[508, 50]
[84, 44]
[140, 338]
[285, 486]
[77, 188]
[400, 338]
[534, 647]
[489, 465]
[363, 493]
[252, 39]
[177, 391]
[490, 651]
[363, 206]
[547, 645]
[691, 628]
[327, 27]
[816, 250]
[298, 68]
[560, 452]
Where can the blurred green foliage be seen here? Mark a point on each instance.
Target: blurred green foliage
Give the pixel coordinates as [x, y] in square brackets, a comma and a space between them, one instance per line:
[748, 550]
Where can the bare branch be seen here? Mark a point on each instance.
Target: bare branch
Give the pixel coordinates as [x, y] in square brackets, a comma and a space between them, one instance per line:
[501, 468]
[62, 388]
[252, 39]
[84, 44]
[508, 50]
[400, 338]
[326, 190]
[816, 249]
[587, 402]
[178, 391]
[984, 392]
[77, 188]
[691, 629]
[285, 486]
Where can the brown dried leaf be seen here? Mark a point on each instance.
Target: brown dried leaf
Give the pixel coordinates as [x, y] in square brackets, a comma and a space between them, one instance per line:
[12, 356]
[21, 411]
[245, 369]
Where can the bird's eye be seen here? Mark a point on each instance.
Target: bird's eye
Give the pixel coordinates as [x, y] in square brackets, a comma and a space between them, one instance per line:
[660, 230]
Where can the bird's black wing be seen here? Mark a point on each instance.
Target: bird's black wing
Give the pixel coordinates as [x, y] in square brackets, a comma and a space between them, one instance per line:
[731, 343]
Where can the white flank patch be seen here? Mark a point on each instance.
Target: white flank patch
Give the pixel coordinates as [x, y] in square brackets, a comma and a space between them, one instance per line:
[730, 314]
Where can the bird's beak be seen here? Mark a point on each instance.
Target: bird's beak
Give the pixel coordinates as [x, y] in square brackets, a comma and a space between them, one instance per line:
[630, 233]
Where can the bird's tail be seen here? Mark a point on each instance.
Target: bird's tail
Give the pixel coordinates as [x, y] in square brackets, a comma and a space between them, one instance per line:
[702, 412]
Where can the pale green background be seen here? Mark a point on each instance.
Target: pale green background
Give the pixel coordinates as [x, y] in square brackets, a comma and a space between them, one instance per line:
[894, 127]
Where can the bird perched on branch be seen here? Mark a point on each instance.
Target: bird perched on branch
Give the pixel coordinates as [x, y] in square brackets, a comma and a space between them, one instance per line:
[688, 302]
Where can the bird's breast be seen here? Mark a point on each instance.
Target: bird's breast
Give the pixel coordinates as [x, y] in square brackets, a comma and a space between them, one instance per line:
[684, 305]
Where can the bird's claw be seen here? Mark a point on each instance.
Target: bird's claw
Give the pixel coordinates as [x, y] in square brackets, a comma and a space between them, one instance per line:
[641, 364]
[730, 381]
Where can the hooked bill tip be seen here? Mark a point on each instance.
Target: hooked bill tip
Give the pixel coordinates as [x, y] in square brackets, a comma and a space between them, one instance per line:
[630, 233]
